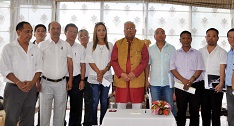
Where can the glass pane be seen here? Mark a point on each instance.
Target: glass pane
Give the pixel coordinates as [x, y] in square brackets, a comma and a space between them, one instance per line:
[4, 39]
[83, 19]
[4, 19]
[79, 5]
[203, 21]
[5, 3]
[116, 14]
[167, 7]
[36, 16]
[123, 6]
[212, 10]
[115, 20]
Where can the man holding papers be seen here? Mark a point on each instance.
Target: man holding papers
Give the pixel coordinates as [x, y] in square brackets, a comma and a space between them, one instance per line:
[215, 62]
[158, 69]
[186, 65]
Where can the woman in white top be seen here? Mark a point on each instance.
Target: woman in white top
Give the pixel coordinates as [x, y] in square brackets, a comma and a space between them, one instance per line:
[98, 55]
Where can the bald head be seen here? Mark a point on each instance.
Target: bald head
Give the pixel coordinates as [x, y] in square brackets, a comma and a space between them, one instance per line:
[54, 30]
[159, 35]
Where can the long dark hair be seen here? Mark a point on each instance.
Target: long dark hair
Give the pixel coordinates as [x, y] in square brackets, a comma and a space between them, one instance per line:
[95, 39]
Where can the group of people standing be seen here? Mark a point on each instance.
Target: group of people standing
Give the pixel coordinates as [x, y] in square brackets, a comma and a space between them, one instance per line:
[58, 69]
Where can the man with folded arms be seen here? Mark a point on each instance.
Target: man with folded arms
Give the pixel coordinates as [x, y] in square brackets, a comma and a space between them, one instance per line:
[57, 62]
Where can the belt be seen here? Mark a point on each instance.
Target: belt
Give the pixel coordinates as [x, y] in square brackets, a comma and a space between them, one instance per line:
[77, 76]
[53, 80]
[74, 77]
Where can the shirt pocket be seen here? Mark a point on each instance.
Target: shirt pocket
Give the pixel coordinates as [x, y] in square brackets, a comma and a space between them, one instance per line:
[166, 57]
[193, 64]
[76, 58]
[33, 58]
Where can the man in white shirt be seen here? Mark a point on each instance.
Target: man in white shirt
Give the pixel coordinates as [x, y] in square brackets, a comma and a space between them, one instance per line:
[39, 33]
[21, 65]
[83, 37]
[215, 63]
[76, 93]
[57, 62]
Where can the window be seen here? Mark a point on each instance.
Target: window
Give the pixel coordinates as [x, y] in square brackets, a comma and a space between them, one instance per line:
[147, 17]
[14, 11]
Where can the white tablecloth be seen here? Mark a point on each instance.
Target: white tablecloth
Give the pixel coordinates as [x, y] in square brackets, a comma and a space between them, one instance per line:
[142, 117]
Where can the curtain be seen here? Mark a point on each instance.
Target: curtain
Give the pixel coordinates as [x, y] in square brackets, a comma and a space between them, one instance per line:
[26, 10]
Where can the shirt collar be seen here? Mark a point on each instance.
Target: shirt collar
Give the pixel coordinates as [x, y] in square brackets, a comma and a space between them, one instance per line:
[165, 45]
[190, 50]
[30, 44]
[50, 41]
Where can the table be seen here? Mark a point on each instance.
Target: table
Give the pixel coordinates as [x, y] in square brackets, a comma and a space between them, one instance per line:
[137, 117]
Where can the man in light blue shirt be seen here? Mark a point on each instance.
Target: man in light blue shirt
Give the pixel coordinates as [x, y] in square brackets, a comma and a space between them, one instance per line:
[159, 69]
[229, 76]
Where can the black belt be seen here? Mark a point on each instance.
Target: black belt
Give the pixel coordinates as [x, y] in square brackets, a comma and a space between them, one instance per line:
[77, 76]
[53, 80]
[74, 77]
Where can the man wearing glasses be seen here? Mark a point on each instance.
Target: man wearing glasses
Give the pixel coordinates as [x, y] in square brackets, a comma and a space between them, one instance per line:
[129, 59]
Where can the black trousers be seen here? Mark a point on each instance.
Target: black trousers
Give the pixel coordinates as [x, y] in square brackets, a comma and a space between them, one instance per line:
[76, 102]
[88, 100]
[183, 99]
[211, 107]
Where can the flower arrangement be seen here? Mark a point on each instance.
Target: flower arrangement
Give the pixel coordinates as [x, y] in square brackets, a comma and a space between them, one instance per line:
[160, 107]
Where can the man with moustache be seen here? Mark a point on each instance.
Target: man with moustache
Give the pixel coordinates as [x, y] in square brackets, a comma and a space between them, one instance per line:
[215, 63]
[21, 66]
[76, 93]
[57, 63]
[129, 59]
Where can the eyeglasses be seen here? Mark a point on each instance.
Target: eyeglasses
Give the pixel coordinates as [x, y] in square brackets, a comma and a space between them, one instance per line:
[129, 29]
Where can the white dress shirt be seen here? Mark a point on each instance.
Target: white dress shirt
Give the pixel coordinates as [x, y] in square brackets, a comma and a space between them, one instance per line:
[23, 65]
[54, 57]
[214, 59]
[101, 57]
[78, 57]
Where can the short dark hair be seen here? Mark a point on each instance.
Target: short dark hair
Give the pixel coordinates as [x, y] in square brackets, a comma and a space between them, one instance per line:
[232, 29]
[70, 25]
[213, 29]
[39, 25]
[20, 25]
[186, 32]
